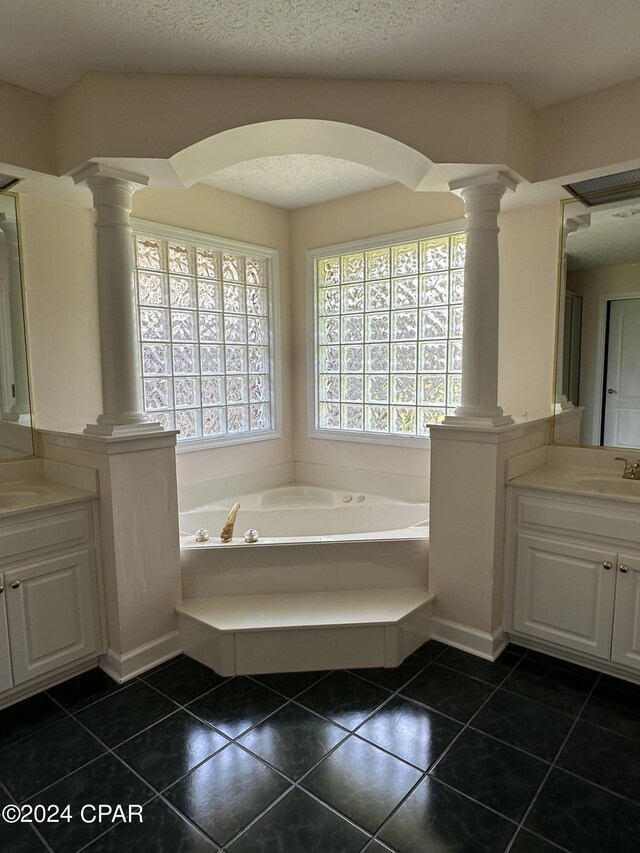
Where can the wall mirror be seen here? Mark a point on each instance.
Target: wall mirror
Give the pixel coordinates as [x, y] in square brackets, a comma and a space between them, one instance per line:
[598, 358]
[16, 435]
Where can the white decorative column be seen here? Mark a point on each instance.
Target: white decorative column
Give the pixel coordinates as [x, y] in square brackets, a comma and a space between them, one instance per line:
[21, 410]
[123, 411]
[479, 406]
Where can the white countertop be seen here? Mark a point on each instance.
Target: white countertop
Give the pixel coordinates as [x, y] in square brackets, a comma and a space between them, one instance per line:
[594, 482]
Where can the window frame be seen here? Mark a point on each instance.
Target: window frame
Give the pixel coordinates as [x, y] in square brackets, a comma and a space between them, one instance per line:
[145, 227]
[443, 229]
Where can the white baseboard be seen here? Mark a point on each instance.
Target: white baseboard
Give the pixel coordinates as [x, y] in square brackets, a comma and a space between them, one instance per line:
[123, 667]
[479, 643]
[596, 664]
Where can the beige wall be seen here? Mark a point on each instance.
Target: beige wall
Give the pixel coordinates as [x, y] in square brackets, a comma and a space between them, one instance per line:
[26, 130]
[589, 132]
[223, 214]
[591, 284]
[528, 298]
[60, 281]
[58, 243]
[382, 211]
[447, 122]
[528, 258]
[474, 123]
[58, 248]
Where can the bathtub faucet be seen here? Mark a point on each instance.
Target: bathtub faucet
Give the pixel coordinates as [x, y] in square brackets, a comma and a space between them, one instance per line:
[227, 530]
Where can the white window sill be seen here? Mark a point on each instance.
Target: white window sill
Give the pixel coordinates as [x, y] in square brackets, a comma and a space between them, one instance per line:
[188, 446]
[417, 442]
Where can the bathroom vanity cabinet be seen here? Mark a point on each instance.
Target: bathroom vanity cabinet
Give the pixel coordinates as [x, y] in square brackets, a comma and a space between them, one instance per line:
[49, 603]
[573, 575]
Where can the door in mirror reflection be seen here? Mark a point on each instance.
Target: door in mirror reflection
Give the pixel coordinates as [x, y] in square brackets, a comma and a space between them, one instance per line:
[16, 440]
[621, 400]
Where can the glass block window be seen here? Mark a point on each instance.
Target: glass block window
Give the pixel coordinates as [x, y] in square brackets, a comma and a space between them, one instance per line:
[204, 332]
[388, 331]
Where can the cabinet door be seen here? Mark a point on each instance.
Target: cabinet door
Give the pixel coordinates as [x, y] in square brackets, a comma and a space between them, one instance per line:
[564, 593]
[626, 626]
[51, 613]
[6, 681]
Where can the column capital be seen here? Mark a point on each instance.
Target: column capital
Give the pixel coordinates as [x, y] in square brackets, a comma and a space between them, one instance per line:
[96, 174]
[576, 223]
[489, 183]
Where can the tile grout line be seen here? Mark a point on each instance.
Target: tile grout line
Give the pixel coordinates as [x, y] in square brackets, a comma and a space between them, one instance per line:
[160, 793]
[528, 810]
[157, 793]
[33, 826]
[109, 751]
[423, 773]
[293, 700]
[348, 733]
[434, 764]
[354, 733]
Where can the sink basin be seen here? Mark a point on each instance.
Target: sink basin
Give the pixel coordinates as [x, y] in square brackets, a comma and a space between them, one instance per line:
[610, 485]
[19, 496]
[9, 499]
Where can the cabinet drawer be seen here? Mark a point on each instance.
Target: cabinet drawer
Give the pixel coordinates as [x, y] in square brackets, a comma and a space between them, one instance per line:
[588, 518]
[31, 534]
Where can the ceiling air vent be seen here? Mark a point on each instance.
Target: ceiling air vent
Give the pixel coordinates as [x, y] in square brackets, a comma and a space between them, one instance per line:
[623, 185]
[8, 181]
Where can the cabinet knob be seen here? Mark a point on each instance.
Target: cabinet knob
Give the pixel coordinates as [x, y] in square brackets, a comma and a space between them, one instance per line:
[624, 569]
[1, 589]
[14, 584]
[607, 565]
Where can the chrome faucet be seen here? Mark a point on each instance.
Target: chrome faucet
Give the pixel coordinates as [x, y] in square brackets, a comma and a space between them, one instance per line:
[227, 530]
[631, 469]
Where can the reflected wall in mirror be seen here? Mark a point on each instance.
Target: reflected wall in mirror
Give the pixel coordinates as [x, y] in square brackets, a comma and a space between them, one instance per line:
[598, 358]
[16, 436]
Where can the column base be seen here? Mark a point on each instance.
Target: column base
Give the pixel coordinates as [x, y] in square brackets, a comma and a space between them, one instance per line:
[116, 430]
[472, 417]
[563, 405]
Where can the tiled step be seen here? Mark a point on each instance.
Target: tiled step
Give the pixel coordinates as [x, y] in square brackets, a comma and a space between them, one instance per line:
[244, 634]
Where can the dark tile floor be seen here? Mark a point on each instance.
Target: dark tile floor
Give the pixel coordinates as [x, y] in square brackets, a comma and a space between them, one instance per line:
[446, 754]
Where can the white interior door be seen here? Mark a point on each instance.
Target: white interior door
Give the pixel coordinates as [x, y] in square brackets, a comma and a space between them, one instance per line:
[622, 393]
[6, 681]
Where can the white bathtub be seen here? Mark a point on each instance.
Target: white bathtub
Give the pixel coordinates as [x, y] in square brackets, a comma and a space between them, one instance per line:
[310, 539]
[299, 513]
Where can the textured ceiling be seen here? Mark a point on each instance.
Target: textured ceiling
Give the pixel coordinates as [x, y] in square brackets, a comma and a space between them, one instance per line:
[297, 180]
[610, 239]
[546, 50]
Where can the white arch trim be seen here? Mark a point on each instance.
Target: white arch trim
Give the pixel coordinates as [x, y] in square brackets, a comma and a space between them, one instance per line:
[301, 136]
